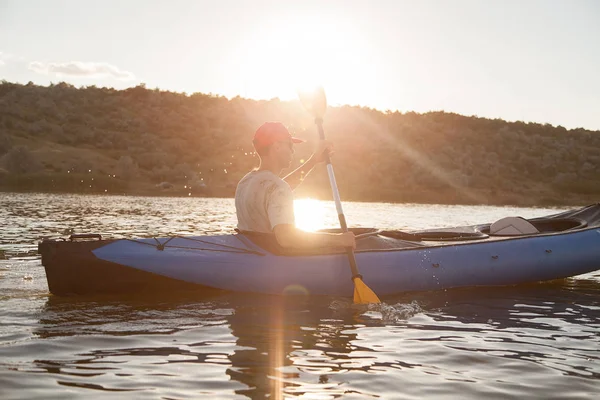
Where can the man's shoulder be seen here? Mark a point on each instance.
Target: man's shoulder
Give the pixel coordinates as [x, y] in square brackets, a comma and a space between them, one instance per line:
[263, 177]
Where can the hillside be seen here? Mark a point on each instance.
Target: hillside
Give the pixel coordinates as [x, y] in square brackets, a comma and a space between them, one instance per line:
[140, 141]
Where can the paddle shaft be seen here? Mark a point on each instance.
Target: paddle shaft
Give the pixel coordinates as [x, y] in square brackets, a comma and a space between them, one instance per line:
[338, 201]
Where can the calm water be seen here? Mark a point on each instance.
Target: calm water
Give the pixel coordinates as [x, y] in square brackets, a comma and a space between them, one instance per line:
[535, 341]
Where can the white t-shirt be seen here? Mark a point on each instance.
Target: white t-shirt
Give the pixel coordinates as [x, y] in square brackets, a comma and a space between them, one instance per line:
[262, 201]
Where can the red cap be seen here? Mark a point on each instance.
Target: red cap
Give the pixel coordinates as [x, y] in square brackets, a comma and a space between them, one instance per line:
[271, 132]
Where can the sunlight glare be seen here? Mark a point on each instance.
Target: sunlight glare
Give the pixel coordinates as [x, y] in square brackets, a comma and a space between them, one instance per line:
[310, 214]
[305, 51]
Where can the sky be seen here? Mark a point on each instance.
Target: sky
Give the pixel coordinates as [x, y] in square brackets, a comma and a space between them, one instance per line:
[518, 60]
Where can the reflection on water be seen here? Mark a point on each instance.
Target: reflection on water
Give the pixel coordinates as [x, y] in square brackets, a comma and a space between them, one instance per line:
[234, 344]
[538, 341]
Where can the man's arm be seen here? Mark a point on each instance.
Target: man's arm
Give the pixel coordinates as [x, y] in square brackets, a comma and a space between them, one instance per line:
[294, 178]
[288, 236]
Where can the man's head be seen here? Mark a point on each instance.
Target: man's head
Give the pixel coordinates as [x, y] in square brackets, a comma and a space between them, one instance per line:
[273, 140]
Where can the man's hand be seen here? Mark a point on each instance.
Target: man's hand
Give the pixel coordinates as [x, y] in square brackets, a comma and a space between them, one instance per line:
[323, 147]
[347, 239]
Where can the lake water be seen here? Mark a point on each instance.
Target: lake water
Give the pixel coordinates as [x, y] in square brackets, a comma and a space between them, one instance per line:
[534, 341]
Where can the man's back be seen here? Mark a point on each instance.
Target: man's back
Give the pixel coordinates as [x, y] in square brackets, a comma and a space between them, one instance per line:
[262, 201]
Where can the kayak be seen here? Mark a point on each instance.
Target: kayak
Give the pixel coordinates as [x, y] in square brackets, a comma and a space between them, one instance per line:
[506, 252]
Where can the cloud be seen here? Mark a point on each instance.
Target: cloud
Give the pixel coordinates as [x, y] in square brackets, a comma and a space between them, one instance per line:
[81, 69]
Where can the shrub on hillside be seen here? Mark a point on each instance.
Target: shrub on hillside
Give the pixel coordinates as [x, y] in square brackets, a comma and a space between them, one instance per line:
[163, 173]
[20, 160]
[126, 168]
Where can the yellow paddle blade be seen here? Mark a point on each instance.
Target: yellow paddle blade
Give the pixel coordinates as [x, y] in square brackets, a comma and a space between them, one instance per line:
[363, 294]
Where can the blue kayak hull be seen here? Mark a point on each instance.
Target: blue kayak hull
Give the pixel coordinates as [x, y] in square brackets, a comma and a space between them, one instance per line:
[237, 263]
[506, 262]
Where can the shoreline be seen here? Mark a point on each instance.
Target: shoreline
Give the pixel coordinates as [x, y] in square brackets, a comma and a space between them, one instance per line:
[419, 198]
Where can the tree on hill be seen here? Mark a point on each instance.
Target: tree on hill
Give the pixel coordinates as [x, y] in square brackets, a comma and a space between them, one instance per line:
[20, 160]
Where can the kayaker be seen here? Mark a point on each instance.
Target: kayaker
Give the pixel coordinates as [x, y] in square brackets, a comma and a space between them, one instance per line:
[264, 202]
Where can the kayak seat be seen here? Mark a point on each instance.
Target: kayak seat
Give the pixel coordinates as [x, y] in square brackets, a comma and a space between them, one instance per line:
[512, 226]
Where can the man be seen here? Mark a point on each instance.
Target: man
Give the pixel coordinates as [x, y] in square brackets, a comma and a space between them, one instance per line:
[264, 202]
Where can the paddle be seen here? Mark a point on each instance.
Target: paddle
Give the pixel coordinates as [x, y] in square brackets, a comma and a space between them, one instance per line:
[316, 103]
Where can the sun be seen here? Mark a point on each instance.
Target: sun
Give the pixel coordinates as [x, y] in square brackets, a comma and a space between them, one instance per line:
[287, 54]
[310, 214]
